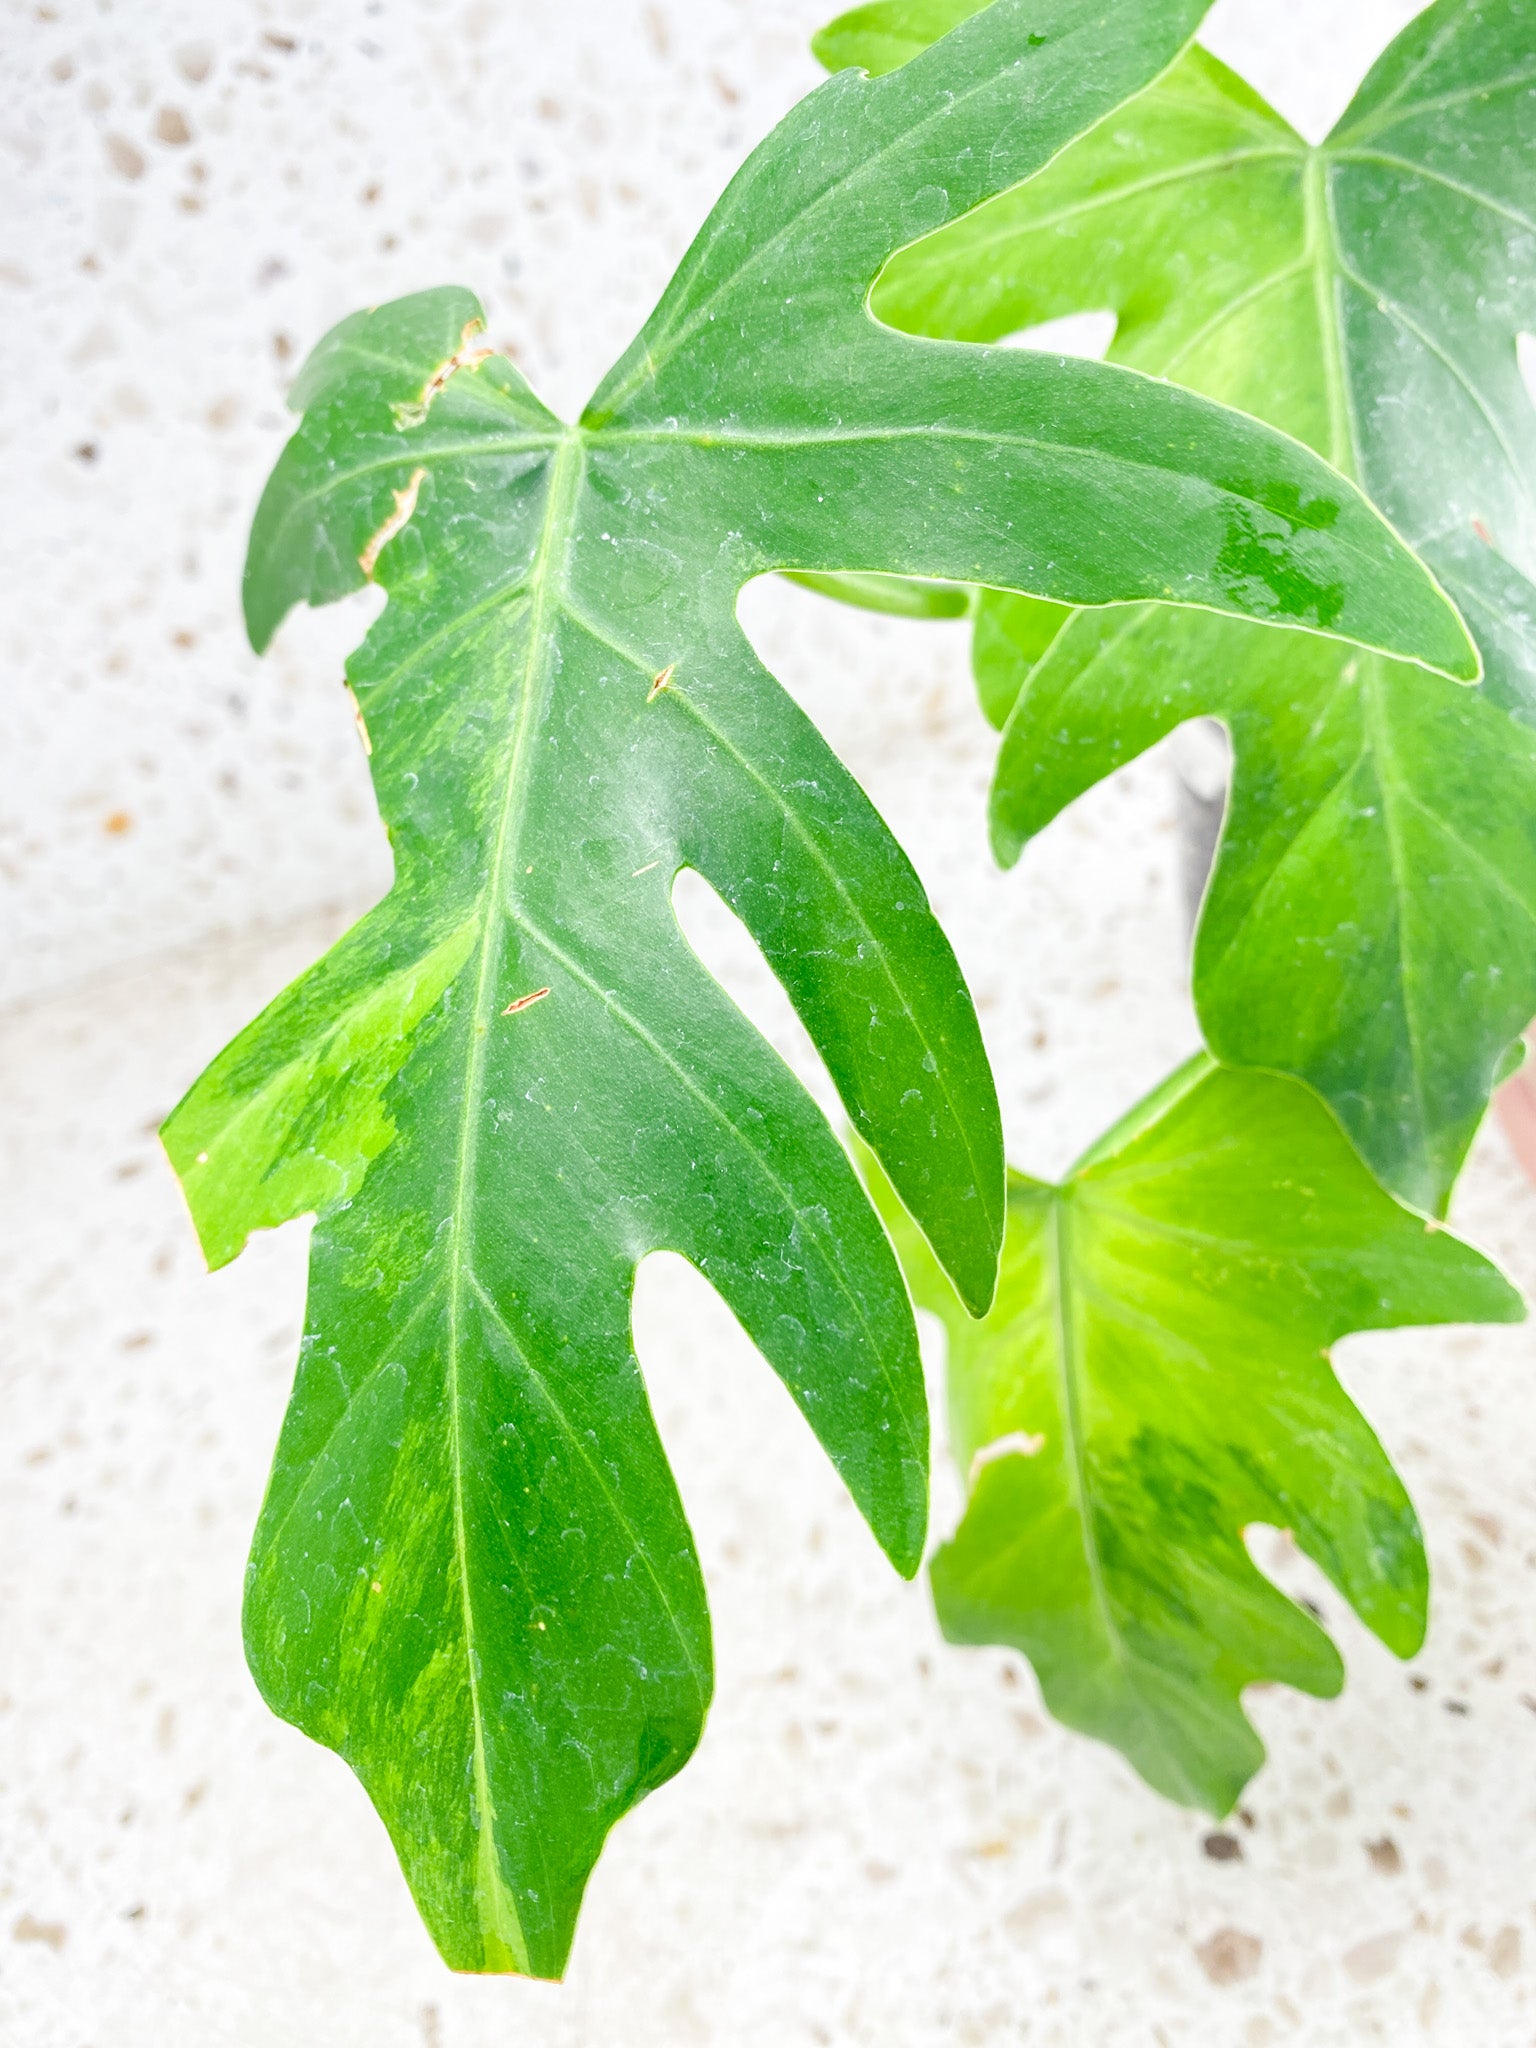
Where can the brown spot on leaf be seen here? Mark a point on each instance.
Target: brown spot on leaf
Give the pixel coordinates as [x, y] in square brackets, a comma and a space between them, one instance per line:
[525, 1002]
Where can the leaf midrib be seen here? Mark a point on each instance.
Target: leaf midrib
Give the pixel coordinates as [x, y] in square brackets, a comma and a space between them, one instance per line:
[1072, 1376]
[1070, 1369]
[1322, 250]
[504, 1922]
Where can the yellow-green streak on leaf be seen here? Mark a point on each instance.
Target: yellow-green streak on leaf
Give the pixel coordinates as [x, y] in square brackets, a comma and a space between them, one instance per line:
[302, 1140]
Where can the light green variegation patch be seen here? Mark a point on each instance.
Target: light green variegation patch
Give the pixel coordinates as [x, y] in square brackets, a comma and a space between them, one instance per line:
[514, 1079]
[1153, 1380]
[251, 1157]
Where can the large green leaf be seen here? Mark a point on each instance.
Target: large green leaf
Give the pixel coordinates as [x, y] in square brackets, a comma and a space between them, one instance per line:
[513, 1079]
[1152, 1380]
[1372, 921]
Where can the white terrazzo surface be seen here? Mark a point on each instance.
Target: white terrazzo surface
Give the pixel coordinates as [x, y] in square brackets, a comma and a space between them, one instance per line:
[882, 1841]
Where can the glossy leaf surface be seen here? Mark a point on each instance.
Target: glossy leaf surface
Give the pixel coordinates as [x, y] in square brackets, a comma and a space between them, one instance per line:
[1152, 1380]
[513, 1079]
[1372, 922]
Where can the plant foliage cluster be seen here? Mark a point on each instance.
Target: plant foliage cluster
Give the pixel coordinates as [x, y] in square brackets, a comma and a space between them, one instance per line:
[513, 1080]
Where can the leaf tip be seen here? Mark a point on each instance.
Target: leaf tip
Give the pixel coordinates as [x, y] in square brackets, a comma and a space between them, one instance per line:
[908, 1557]
[1004, 837]
[262, 616]
[976, 1282]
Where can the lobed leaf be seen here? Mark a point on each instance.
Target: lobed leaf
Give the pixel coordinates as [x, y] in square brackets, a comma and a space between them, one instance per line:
[513, 1079]
[1152, 1381]
[1371, 924]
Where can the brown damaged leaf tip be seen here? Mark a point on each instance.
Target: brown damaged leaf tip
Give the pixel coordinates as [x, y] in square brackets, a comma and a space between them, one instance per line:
[411, 412]
[405, 505]
[661, 683]
[525, 1002]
